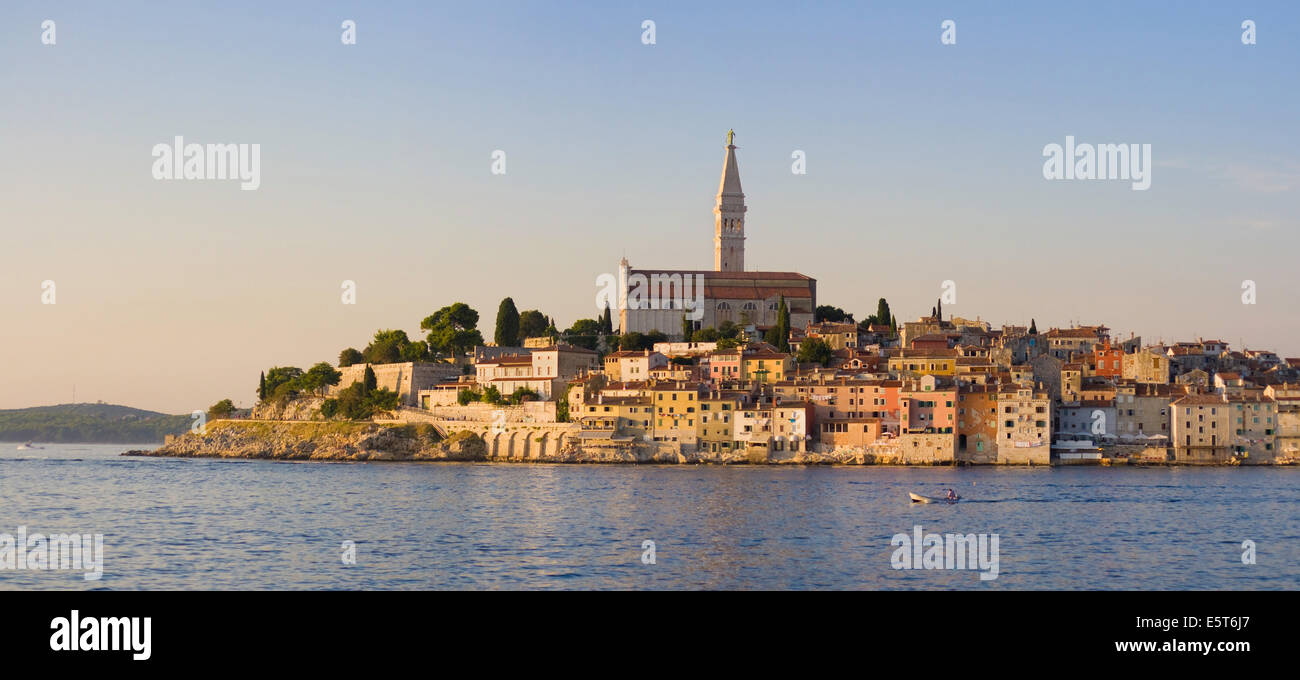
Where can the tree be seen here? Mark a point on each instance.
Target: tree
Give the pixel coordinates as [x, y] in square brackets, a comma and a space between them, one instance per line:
[649, 340]
[631, 342]
[728, 343]
[221, 409]
[349, 357]
[261, 387]
[492, 395]
[607, 321]
[507, 332]
[416, 351]
[368, 381]
[453, 330]
[583, 333]
[282, 382]
[709, 334]
[532, 324]
[883, 315]
[728, 329]
[782, 327]
[388, 347]
[1033, 327]
[320, 376]
[831, 314]
[688, 328]
[815, 350]
[938, 306]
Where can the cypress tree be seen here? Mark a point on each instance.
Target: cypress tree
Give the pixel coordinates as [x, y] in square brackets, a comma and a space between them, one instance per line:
[368, 381]
[783, 325]
[261, 387]
[687, 329]
[507, 334]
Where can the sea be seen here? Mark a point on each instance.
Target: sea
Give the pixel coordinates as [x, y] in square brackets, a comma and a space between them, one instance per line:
[231, 524]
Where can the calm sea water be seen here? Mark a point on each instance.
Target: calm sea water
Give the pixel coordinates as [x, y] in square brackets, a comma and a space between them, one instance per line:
[233, 524]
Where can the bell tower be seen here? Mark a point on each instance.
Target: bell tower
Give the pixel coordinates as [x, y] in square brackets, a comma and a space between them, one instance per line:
[729, 216]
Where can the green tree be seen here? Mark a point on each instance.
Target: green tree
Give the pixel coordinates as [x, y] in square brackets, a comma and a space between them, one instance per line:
[728, 343]
[607, 321]
[781, 330]
[349, 357]
[652, 338]
[709, 334]
[583, 333]
[829, 314]
[453, 330]
[492, 395]
[282, 382]
[532, 324]
[883, 315]
[562, 407]
[507, 331]
[728, 329]
[221, 409]
[319, 377]
[368, 381]
[688, 329]
[261, 387]
[386, 348]
[815, 350]
[631, 342]
[1033, 327]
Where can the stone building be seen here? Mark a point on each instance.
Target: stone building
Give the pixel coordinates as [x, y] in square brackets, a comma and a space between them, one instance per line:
[656, 299]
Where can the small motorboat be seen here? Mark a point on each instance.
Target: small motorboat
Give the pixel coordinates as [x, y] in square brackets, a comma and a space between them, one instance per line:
[28, 445]
[918, 498]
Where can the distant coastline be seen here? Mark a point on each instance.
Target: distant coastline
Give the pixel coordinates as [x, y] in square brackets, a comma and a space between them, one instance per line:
[89, 424]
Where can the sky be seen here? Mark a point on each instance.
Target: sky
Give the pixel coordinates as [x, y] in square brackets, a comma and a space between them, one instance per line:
[924, 164]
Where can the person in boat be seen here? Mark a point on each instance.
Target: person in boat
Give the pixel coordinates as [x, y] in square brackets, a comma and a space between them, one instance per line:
[951, 496]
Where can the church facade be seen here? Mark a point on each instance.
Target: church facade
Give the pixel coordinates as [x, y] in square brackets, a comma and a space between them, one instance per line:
[657, 299]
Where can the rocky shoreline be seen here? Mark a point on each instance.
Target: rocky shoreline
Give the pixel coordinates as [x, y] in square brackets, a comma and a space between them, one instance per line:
[343, 441]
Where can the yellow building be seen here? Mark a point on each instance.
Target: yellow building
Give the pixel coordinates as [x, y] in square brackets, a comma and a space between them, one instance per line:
[630, 416]
[676, 412]
[717, 421]
[924, 362]
[765, 366]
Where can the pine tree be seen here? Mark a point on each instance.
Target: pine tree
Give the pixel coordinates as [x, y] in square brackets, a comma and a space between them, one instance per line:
[507, 334]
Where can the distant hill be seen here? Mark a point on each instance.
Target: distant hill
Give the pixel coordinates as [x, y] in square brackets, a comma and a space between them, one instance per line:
[89, 423]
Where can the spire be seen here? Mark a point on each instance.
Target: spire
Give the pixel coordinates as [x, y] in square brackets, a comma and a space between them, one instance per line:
[729, 186]
[729, 215]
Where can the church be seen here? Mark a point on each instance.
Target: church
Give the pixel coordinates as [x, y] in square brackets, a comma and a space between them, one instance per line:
[657, 299]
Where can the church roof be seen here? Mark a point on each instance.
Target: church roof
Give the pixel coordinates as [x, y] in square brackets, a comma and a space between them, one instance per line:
[742, 285]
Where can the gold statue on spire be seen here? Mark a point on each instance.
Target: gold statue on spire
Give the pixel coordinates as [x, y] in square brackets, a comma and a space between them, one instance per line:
[731, 134]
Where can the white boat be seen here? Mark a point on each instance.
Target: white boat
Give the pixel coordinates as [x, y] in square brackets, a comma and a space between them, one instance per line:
[918, 498]
[28, 445]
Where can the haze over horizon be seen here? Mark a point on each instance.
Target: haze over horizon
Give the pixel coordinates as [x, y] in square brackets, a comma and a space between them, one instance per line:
[924, 164]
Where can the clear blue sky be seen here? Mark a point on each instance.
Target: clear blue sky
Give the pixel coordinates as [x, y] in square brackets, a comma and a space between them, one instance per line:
[924, 165]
